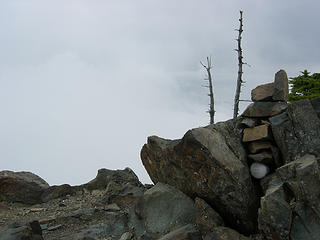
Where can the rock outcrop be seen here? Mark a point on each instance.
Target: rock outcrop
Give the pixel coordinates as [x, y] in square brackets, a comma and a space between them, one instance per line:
[271, 138]
[203, 164]
[297, 131]
[114, 205]
[160, 210]
[290, 207]
[23, 187]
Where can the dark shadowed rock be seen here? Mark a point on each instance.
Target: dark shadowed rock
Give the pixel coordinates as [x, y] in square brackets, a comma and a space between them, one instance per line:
[316, 105]
[206, 217]
[290, 206]
[21, 231]
[262, 157]
[162, 209]
[209, 163]
[264, 109]
[297, 130]
[188, 232]
[281, 87]
[263, 93]
[24, 187]
[257, 146]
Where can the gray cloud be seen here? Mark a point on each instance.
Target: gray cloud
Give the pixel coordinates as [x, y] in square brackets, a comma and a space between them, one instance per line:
[83, 83]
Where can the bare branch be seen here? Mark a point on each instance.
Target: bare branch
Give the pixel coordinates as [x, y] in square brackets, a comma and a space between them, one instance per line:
[208, 67]
[240, 63]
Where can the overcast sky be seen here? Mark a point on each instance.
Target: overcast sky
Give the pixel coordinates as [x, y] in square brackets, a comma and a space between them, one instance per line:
[83, 83]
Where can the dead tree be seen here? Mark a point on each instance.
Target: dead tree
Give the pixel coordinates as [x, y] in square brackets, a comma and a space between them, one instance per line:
[240, 63]
[208, 67]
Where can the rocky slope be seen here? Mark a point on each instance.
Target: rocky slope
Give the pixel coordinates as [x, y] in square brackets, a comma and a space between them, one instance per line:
[255, 177]
[259, 172]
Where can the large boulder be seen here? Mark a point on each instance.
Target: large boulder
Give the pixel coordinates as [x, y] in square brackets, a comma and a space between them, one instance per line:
[160, 210]
[24, 187]
[296, 131]
[290, 207]
[209, 163]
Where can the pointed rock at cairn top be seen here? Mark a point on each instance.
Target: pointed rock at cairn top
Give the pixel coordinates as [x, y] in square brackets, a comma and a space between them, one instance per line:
[281, 86]
[272, 92]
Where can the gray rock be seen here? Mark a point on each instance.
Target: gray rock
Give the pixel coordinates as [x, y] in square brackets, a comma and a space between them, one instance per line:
[206, 217]
[115, 224]
[264, 109]
[275, 213]
[105, 176]
[24, 187]
[232, 132]
[126, 236]
[263, 93]
[188, 232]
[316, 105]
[281, 86]
[296, 131]
[84, 214]
[123, 195]
[112, 207]
[224, 233]
[54, 192]
[305, 222]
[290, 207]
[209, 163]
[163, 209]
[249, 122]
[21, 231]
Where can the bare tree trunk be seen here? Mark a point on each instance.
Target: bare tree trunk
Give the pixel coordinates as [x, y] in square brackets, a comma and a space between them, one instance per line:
[240, 63]
[211, 110]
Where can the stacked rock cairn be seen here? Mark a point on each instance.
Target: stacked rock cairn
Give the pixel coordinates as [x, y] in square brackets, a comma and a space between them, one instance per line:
[268, 100]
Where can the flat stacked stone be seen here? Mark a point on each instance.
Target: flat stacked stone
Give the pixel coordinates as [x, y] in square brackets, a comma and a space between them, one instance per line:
[268, 100]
